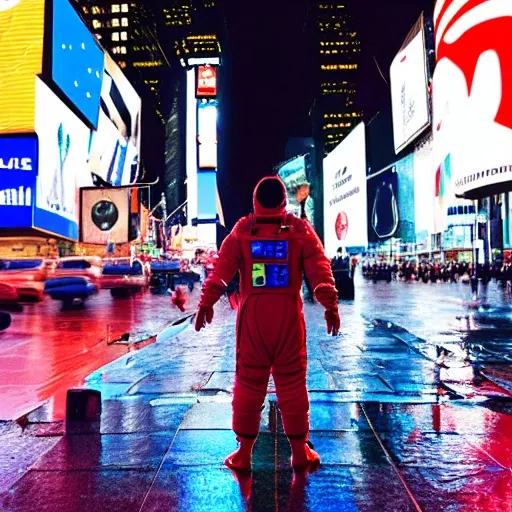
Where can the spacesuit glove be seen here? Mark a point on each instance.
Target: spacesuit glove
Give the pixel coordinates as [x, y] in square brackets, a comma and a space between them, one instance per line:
[204, 315]
[327, 295]
[332, 317]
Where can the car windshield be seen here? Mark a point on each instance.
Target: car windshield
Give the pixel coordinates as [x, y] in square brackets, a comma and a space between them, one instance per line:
[122, 267]
[20, 264]
[74, 265]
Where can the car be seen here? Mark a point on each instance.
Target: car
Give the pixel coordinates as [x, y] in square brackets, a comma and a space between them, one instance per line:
[74, 278]
[122, 276]
[27, 276]
[88, 267]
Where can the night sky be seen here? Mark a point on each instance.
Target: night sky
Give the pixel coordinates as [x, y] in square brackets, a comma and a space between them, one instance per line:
[267, 79]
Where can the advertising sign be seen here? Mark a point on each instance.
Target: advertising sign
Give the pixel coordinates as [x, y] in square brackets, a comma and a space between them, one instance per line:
[105, 216]
[207, 135]
[472, 94]
[409, 90]
[345, 215]
[206, 195]
[206, 82]
[122, 105]
[63, 153]
[383, 212]
[18, 170]
[293, 175]
[77, 60]
[111, 156]
[21, 59]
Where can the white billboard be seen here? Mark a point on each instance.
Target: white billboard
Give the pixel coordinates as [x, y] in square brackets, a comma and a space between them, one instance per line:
[345, 215]
[472, 91]
[409, 89]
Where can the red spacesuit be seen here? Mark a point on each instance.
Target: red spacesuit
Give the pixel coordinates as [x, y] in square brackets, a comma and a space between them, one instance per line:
[271, 249]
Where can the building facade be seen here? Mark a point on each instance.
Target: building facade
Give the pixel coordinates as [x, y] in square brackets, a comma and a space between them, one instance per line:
[337, 50]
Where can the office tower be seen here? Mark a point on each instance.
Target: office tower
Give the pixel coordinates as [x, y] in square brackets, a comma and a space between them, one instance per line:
[337, 52]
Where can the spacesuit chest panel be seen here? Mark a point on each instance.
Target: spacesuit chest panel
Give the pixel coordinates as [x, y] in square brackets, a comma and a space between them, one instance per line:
[271, 263]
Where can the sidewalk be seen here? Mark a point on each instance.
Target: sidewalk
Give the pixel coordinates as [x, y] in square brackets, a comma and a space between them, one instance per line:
[392, 436]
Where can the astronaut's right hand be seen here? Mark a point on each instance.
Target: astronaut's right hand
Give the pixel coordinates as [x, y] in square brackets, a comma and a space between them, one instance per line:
[203, 316]
[332, 317]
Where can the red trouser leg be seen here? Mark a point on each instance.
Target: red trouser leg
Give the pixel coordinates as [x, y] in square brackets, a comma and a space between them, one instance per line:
[271, 335]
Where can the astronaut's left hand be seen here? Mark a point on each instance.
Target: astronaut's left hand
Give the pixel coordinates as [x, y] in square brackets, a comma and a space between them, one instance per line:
[332, 317]
[203, 316]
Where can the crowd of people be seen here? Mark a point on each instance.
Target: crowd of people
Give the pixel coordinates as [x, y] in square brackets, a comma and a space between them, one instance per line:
[434, 271]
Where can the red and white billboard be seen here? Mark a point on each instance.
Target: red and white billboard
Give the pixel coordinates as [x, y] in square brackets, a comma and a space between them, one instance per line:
[472, 93]
[206, 82]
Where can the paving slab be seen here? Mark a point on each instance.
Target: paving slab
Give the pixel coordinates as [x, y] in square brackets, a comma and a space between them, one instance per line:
[484, 490]
[78, 491]
[328, 416]
[136, 414]
[108, 451]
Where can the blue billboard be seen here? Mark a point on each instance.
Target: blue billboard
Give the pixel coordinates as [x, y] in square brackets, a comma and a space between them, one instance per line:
[206, 195]
[18, 171]
[77, 61]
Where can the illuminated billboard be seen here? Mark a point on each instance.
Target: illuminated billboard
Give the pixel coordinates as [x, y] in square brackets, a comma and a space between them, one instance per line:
[472, 91]
[206, 195]
[63, 153]
[105, 216]
[206, 81]
[207, 135]
[122, 105]
[18, 170]
[345, 215]
[77, 60]
[293, 175]
[409, 89]
[21, 59]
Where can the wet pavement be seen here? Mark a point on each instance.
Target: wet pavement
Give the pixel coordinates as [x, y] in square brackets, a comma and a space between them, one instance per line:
[393, 430]
[48, 350]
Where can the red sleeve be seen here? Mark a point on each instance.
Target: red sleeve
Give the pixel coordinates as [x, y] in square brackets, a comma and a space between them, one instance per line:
[226, 266]
[318, 269]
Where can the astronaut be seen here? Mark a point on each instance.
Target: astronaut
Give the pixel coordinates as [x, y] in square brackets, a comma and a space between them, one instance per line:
[271, 249]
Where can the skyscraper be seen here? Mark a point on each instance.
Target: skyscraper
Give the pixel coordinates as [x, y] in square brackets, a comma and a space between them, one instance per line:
[130, 32]
[337, 50]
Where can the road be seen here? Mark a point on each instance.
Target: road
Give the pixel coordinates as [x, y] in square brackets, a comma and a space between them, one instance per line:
[47, 350]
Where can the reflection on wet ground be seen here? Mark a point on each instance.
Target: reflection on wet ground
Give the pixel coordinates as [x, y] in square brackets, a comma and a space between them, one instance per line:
[389, 423]
[47, 350]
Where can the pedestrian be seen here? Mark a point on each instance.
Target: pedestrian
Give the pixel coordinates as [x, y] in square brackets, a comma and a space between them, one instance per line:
[271, 249]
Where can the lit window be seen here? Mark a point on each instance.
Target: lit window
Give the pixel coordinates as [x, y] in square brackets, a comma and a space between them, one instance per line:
[96, 24]
[123, 50]
[124, 36]
[115, 22]
[96, 10]
[124, 8]
[124, 22]
[115, 8]
[115, 36]
[122, 64]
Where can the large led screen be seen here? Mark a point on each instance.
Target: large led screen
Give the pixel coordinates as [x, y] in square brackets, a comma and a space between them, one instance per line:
[472, 91]
[207, 135]
[293, 175]
[383, 213]
[105, 216]
[21, 59]
[206, 195]
[121, 104]
[63, 153]
[409, 90]
[345, 193]
[77, 60]
[206, 81]
[18, 170]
